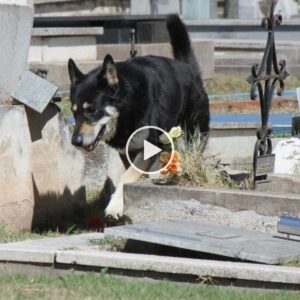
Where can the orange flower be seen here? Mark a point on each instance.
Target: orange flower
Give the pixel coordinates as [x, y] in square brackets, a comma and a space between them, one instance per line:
[174, 167]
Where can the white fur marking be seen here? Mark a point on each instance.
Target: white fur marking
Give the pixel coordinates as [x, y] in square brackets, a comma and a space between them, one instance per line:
[112, 123]
[112, 111]
[87, 105]
[115, 207]
[74, 107]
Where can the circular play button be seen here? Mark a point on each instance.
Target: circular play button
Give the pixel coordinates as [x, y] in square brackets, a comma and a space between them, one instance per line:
[147, 139]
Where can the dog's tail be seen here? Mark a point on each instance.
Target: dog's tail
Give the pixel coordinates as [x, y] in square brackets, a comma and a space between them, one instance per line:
[180, 40]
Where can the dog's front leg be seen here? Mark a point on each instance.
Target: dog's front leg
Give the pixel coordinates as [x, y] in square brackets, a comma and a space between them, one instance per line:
[116, 205]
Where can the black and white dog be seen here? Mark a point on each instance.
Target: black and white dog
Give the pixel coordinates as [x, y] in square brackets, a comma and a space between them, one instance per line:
[112, 101]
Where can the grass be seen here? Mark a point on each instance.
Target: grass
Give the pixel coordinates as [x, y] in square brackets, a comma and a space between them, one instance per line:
[65, 106]
[281, 135]
[221, 84]
[8, 236]
[295, 262]
[197, 169]
[107, 287]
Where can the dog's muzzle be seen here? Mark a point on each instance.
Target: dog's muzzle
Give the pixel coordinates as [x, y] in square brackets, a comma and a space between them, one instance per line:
[78, 140]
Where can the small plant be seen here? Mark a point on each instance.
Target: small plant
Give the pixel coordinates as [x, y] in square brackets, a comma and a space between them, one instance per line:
[189, 165]
[109, 243]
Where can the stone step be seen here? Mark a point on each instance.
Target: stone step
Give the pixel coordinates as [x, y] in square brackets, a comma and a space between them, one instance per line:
[148, 198]
[241, 29]
[237, 58]
[251, 45]
[49, 56]
[233, 55]
[80, 7]
[52, 255]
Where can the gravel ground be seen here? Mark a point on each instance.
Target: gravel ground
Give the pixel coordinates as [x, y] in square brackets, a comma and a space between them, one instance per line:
[194, 210]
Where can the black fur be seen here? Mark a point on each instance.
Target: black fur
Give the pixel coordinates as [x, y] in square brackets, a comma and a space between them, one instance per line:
[147, 90]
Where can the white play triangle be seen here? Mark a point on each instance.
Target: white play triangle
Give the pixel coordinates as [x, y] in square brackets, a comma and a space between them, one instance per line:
[150, 150]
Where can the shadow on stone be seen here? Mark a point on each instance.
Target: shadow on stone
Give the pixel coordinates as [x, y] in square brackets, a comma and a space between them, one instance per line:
[37, 122]
[55, 211]
[140, 247]
[102, 199]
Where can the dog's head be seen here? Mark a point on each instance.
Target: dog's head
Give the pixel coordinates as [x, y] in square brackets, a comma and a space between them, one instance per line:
[94, 104]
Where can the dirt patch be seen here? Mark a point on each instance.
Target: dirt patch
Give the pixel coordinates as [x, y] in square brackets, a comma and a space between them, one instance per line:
[279, 106]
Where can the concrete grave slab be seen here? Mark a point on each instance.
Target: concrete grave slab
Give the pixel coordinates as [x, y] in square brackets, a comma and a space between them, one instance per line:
[214, 239]
[34, 91]
[178, 265]
[44, 250]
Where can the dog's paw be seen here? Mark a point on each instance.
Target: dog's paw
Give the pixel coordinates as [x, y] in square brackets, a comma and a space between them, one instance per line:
[115, 207]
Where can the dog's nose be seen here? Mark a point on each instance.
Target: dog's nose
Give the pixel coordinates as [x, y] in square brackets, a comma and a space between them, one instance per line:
[77, 140]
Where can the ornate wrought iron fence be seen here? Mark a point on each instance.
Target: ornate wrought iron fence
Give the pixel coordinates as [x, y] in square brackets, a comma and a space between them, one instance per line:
[265, 78]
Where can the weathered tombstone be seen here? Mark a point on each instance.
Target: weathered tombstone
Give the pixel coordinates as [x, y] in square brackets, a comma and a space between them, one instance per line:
[16, 199]
[16, 18]
[41, 173]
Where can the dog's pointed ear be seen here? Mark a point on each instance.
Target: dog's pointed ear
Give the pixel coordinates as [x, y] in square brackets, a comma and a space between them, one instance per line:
[109, 71]
[74, 73]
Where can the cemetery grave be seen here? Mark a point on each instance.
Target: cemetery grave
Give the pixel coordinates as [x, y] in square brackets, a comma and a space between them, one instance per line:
[229, 235]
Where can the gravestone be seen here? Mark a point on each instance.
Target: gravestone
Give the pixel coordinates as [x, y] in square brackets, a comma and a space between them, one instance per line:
[16, 199]
[16, 18]
[41, 173]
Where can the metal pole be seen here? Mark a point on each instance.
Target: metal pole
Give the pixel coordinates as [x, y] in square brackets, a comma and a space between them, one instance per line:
[133, 51]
